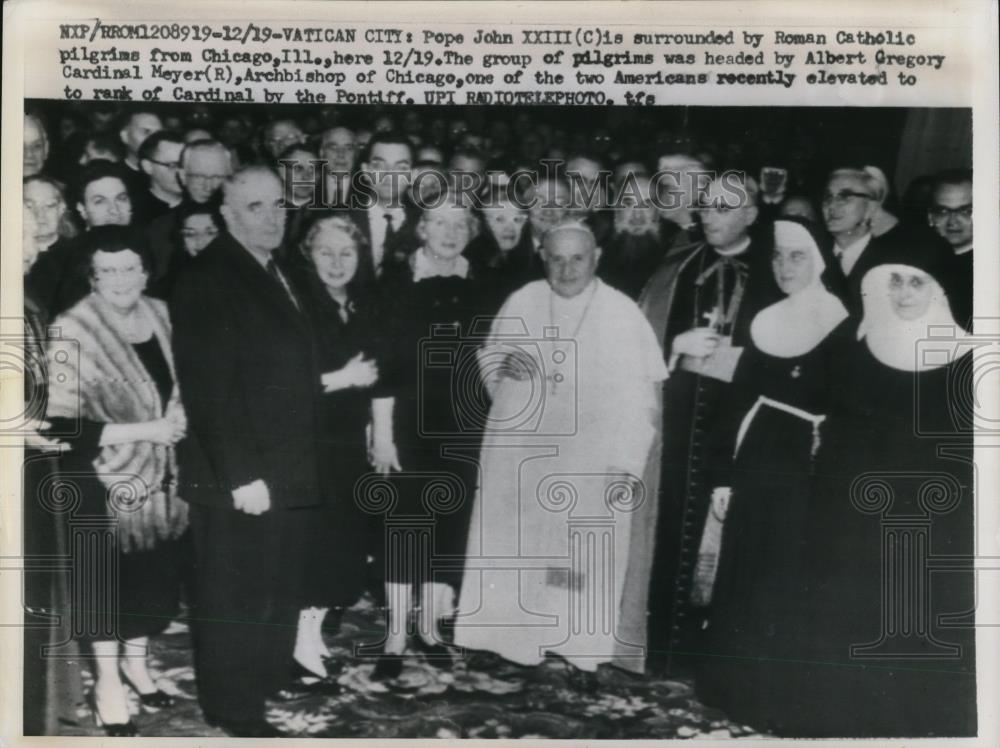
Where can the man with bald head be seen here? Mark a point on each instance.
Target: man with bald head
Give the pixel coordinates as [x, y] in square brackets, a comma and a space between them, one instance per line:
[204, 166]
[246, 364]
[36, 146]
[573, 369]
[280, 134]
[137, 126]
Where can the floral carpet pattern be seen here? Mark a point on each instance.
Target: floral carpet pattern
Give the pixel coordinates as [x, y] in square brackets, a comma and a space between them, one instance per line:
[495, 700]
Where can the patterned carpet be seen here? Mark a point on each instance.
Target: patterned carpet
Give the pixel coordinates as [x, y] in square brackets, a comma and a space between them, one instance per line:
[500, 700]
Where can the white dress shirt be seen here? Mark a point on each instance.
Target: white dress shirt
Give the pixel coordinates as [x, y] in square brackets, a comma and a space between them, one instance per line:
[377, 226]
[848, 256]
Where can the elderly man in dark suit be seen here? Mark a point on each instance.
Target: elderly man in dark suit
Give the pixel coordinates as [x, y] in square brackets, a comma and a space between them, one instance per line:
[246, 364]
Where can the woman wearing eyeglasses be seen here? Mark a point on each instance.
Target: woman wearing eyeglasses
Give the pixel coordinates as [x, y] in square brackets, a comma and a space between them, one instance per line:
[886, 620]
[112, 385]
[196, 226]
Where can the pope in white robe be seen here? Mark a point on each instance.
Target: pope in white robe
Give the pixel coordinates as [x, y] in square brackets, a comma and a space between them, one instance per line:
[560, 541]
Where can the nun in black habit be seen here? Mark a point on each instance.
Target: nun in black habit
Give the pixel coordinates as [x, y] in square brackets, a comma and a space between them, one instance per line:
[886, 617]
[765, 454]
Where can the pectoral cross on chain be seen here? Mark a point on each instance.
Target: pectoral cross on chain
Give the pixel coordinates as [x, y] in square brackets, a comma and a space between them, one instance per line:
[711, 318]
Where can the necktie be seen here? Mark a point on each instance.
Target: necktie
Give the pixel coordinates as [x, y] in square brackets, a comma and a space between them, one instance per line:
[390, 233]
[272, 269]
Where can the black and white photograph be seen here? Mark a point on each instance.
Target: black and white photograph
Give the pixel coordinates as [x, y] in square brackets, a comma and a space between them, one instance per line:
[398, 419]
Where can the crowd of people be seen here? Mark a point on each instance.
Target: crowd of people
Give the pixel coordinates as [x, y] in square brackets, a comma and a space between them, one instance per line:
[536, 394]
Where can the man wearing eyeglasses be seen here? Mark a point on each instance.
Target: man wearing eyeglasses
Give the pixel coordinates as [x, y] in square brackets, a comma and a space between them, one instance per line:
[137, 126]
[159, 158]
[279, 135]
[205, 165]
[950, 215]
[700, 302]
[202, 167]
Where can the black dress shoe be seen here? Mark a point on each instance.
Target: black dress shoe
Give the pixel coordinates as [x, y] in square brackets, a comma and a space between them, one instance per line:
[112, 729]
[246, 728]
[387, 667]
[157, 699]
[302, 689]
[121, 729]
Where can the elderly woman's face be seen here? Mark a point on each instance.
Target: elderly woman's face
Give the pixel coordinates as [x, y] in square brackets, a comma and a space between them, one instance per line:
[106, 203]
[198, 232]
[794, 268]
[505, 222]
[119, 278]
[47, 207]
[445, 231]
[848, 205]
[910, 294]
[335, 256]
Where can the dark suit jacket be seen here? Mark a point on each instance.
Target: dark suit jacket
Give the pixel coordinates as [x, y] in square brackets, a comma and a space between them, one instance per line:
[892, 243]
[404, 242]
[247, 367]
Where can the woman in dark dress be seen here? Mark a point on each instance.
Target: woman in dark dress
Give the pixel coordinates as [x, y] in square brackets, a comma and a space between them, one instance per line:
[112, 394]
[197, 226]
[337, 278]
[428, 401]
[781, 393]
[502, 256]
[888, 625]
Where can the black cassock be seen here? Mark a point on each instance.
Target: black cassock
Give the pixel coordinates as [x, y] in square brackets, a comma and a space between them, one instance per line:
[776, 410]
[887, 638]
[693, 403]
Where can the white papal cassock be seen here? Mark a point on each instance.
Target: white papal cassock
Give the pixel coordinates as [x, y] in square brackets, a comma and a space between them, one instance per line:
[557, 559]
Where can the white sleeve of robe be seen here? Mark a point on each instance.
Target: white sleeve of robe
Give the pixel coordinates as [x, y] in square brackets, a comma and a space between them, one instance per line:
[636, 358]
